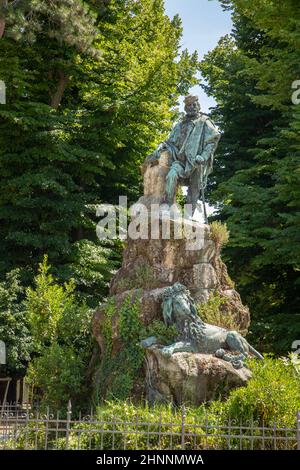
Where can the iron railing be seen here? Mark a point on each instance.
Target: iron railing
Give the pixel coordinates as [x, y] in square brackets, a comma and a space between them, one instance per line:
[28, 428]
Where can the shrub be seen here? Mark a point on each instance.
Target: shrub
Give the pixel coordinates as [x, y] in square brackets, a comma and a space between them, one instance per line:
[271, 396]
[59, 374]
[46, 304]
[211, 312]
[164, 334]
[61, 327]
[31, 436]
[141, 277]
[219, 233]
[126, 418]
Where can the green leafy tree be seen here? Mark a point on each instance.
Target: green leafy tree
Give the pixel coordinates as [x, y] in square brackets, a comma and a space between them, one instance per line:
[14, 326]
[58, 374]
[61, 328]
[46, 304]
[256, 181]
[91, 87]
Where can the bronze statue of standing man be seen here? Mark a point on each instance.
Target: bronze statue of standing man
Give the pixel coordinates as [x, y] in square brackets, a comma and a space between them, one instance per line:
[191, 146]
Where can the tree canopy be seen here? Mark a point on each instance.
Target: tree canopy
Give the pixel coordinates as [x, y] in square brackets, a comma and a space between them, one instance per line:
[256, 185]
[91, 89]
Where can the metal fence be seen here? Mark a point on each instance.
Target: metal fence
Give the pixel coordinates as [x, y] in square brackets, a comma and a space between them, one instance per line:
[25, 428]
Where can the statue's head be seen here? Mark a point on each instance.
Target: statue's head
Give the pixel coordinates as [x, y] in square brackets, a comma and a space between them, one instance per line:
[174, 290]
[192, 106]
[180, 309]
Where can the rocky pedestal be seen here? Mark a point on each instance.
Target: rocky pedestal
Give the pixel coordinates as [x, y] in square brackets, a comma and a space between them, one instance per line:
[149, 267]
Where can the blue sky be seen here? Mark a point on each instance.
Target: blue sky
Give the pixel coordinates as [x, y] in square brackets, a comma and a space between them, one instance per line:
[204, 22]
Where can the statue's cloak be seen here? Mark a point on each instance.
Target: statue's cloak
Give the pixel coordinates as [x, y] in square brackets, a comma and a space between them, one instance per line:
[202, 138]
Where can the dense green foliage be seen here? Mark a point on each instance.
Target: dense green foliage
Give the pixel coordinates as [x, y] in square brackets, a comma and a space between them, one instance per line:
[114, 381]
[14, 326]
[165, 334]
[91, 87]
[58, 376]
[264, 400]
[46, 304]
[48, 329]
[61, 332]
[256, 181]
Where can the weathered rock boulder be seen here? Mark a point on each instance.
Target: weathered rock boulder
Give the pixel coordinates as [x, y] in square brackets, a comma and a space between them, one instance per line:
[190, 378]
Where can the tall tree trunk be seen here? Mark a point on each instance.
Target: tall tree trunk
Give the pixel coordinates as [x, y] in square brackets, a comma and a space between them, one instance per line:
[61, 86]
[3, 5]
[2, 27]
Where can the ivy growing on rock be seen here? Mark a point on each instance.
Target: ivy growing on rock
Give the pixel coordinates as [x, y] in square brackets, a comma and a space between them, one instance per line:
[115, 381]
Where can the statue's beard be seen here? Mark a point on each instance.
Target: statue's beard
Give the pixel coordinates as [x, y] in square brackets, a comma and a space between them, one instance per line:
[193, 115]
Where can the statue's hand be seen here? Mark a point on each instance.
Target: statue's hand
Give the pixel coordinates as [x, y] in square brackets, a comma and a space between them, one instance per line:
[164, 146]
[151, 160]
[166, 351]
[238, 364]
[220, 353]
[200, 160]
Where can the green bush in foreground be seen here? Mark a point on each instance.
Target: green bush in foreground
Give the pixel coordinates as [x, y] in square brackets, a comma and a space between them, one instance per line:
[60, 325]
[271, 396]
